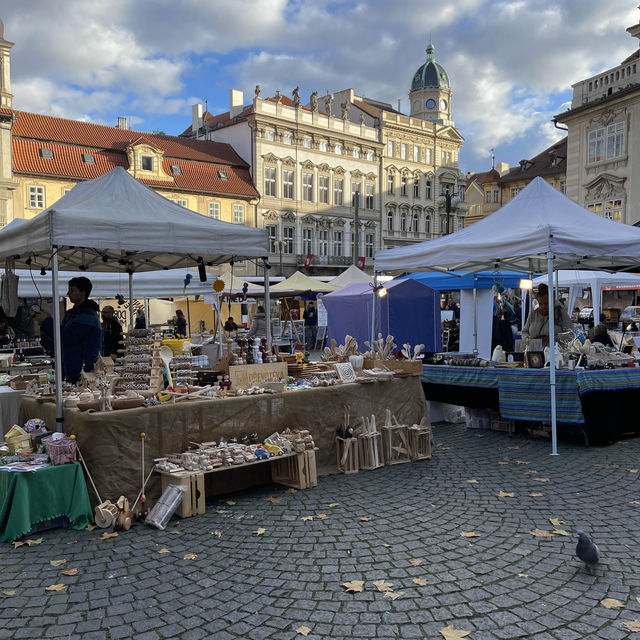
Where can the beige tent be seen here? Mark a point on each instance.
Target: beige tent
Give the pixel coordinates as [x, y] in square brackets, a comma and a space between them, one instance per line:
[352, 275]
[233, 285]
[298, 284]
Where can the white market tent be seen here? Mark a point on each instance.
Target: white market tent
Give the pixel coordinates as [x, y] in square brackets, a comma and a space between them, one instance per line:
[575, 280]
[298, 284]
[538, 231]
[115, 223]
[352, 275]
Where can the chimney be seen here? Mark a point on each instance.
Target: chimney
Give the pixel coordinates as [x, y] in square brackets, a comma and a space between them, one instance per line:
[122, 123]
[196, 118]
[236, 98]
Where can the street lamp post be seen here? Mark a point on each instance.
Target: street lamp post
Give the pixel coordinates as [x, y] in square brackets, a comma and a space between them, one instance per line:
[450, 202]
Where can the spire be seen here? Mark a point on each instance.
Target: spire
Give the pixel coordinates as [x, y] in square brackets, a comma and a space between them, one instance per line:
[430, 50]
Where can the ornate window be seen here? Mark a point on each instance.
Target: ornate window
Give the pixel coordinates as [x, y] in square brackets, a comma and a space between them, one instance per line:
[338, 190]
[416, 153]
[390, 220]
[607, 142]
[403, 151]
[287, 184]
[287, 138]
[414, 223]
[369, 240]
[427, 223]
[307, 187]
[369, 200]
[307, 240]
[338, 149]
[370, 155]
[610, 209]
[270, 135]
[270, 181]
[146, 163]
[322, 145]
[306, 143]
[427, 155]
[390, 184]
[416, 188]
[323, 242]
[403, 186]
[403, 221]
[287, 240]
[356, 186]
[337, 243]
[390, 148]
[323, 189]
[356, 152]
[272, 231]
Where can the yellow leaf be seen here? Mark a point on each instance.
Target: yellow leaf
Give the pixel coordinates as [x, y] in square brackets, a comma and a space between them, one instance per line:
[612, 603]
[9, 592]
[415, 562]
[513, 448]
[190, 556]
[229, 502]
[386, 545]
[303, 631]
[354, 586]
[638, 599]
[70, 572]
[175, 533]
[322, 516]
[55, 587]
[217, 533]
[383, 585]
[421, 582]
[556, 522]
[472, 481]
[523, 462]
[630, 502]
[523, 575]
[260, 531]
[292, 490]
[506, 494]
[393, 595]
[632, 470]
[534, 494]
[57, 563]
[32, 542]
[306, 518]
[633, 625]
[539, 533]
[164, 550]
[221, 511]
[541, 479]
[334, 504]
[449, 633]
[106, 535]
[560, 532]
[365, 519]
[90, 527]
[17, 544]
[503, 462]
[470, 534]
[273, 500]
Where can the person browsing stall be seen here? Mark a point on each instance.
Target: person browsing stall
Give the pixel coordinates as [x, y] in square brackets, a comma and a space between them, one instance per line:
[111, 332]
[230, 325]
[310, 317]
[181, 324]
[259, 324]
[537, 324]
[600, 334]
[6, 333]
[80, 331]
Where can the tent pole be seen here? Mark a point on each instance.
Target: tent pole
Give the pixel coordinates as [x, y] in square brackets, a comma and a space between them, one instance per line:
[552, 355]
[57, 342]
[188, 319]
[373, 310]
[267, 302]
[475, 316]
[131, 324]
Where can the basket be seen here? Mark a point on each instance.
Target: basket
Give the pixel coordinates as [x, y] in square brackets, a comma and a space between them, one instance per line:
[62, 451]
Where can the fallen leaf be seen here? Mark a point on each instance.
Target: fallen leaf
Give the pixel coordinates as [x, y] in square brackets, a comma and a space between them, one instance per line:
[260, 531]
[539, 533]
[90, 527]
[534, 494]
[56, 587]
[306, 518]
[9, 592]
[217, 533]
[541, 479]
[175, 533]
[630, 502]
[334, 504]
[303, 631]
[415, 562]
[292, 490]
[612, 603]
[633, 625]
[560, 532]
[472, 481]
[449, 633]
[470, 534]
[190, 556]
[638, 599]
[322, 516]
[354, 586]
[383, 585]
[503, 462]
[177, 524]
[70, 572]
[365, 519]
[556, 522]
[229, 502]
[506, 494]
[393, 595]
[57, 563]
[17, 544]
[523, 462]
[273, 500]
[632, 470]
[523, 575]
[386, 545]
[164, 550]
[106, 535]
[32, 542]
[420, 581]
[513, 448]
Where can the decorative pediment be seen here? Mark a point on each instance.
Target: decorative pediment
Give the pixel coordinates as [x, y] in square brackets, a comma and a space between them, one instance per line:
[323, 223]
[288, 215]
[404, 208]
[270, 158]
[324, 167]
[271, 216]
[450, 133]
[309, 220]
[356, 173]
[391, 168]
[338, 222]
[371, 176]
[307, 164]
[429, 211]
[405, 172]
[371, 224]
[339, 170]
[448, 175]
[607, 116]
[605, 186]
[391, 206]
[417, 173]
[416, 208]
[288, 162]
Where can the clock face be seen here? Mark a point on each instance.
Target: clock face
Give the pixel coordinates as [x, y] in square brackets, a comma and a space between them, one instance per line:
[443, 105]
[431, 103]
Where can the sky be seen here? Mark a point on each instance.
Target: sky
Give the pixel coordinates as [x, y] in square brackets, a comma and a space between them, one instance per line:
[511, 63]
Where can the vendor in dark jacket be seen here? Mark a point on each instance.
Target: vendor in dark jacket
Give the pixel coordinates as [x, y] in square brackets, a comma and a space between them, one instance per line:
[80, 331]
[111, 332]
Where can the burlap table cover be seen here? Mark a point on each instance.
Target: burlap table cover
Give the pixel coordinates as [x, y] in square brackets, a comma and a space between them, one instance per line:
[110, 442]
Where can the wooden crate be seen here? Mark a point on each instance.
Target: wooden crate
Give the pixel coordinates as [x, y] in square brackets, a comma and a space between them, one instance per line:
[395, 443]
[298, 471]
[244, 376]
[420, 441]
[370, 445]
[194, 502]
[498, 423]
[347, 455]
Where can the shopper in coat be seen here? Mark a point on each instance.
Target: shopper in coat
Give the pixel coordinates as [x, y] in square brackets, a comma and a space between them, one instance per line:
[259, 325]
[111, 332]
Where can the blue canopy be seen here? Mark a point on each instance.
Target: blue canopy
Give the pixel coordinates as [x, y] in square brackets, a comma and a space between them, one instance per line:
[410, 312]
[456, 280]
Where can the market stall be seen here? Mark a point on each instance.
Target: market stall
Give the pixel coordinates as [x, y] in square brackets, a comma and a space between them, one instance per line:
[540, 230]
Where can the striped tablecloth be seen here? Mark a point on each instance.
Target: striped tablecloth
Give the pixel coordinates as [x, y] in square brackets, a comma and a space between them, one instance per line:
[483, 377]
[608, 380]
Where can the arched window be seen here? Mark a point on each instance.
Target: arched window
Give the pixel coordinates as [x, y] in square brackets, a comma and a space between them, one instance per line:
[427, 223]
[414, 223]
[403, 221]
[390, 220]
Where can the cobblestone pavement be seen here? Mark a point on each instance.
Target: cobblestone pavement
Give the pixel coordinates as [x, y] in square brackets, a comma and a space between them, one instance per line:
[506, 583]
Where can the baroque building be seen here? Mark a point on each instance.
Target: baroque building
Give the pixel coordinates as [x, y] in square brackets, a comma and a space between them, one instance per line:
[603, 124]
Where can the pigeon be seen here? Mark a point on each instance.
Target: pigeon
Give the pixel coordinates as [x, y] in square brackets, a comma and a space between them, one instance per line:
[586, 550]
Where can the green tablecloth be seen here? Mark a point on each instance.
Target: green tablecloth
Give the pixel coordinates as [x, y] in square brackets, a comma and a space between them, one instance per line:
[27, 498]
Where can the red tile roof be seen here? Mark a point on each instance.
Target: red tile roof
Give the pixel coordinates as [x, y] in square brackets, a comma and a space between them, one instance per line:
[483, 177]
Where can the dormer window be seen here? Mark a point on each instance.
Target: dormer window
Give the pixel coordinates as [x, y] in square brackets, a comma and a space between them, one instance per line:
[88, 158]
[146, 163]
[176, 170]
[45, 153]
[222, 175]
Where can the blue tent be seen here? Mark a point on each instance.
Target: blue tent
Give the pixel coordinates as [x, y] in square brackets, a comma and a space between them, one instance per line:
[456, 280]
[410, 312]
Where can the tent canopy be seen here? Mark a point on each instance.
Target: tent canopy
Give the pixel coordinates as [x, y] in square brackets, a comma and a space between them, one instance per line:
[538, 220]
[457, 280]
[298, 283]
[115, 223]
[352, 275]
[233, 284]
[349, 312]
